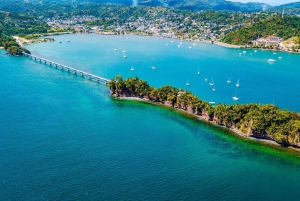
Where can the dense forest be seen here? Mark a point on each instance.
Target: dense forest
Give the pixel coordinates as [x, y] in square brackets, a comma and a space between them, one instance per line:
[256, 120]
[18, 24]
[285, 28]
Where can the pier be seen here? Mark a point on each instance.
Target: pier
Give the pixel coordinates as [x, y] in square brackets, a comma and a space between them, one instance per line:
[69, 69]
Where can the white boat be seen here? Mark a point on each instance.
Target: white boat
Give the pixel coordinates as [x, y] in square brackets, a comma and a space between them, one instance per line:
[124, 51]
[115, 50]
[237, 83]
[235, 98]
[240, 53]
[167, 44]
[178, 45]
[212, 82]
[188, 83]
[229, 81]
[190, 47]
[274, 53]
[279, 57]
[125, 56]
[68, 40]
[153, 68]
[172, 41]
[244, 52]
[212, 102]
[213, 89]
[206, 79]
[132, 69]
[271, 60]
[198, 72]
[255, 50]
[194, 44]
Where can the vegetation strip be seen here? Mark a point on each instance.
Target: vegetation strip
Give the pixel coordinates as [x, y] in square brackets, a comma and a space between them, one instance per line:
[266, 122]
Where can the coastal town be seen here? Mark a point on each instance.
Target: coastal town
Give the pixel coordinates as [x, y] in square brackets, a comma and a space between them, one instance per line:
[175, 25]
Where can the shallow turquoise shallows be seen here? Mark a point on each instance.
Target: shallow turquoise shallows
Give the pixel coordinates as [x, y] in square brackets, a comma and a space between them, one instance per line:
[64, 138]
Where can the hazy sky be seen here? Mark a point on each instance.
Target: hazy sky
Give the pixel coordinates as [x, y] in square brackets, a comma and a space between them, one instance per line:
[270, 2]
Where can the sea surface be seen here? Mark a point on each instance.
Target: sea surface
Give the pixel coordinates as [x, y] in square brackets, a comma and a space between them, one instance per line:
[63, 138]
[260, 81]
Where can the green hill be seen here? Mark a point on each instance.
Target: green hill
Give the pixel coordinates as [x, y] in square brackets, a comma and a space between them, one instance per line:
[285, 28]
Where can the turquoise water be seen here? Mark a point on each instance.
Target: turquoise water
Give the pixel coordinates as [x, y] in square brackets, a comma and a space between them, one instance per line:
[64, 138]
[260, 81]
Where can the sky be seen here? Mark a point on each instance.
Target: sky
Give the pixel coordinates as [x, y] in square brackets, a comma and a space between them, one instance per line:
[270, 2]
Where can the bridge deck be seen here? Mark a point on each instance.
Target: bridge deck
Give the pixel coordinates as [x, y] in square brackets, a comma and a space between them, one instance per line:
[83, 73]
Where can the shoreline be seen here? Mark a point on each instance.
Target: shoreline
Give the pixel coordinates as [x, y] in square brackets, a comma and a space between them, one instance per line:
[232, 131]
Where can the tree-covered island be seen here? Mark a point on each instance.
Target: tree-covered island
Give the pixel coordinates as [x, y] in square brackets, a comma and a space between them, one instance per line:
[252, 120]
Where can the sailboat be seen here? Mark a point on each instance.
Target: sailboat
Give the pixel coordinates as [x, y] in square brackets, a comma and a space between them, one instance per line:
[212, 82]
[235, 98]
[229, 81]
[238, 83]
[206, 79]
[212, 102]
[198, 72]
[213, 89]
[132, 69]
[188, 83]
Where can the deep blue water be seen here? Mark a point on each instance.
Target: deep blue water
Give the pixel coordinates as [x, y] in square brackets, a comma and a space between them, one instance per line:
[64, 138]
[260, 81]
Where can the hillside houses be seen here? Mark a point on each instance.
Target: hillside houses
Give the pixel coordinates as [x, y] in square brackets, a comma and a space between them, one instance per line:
[268, 41]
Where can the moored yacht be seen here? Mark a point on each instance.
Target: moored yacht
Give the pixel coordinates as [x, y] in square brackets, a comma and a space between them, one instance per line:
[271, 60]
[237, 83]
[212, 82]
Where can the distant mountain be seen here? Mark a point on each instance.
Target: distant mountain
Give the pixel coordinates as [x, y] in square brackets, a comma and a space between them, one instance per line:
[196, 4]
[216, 5]
[290, 5]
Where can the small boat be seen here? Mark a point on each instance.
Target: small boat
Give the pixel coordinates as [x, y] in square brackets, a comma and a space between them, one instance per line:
[132, 69]
[198, 72]
[115, 50]
[279, 57]
[240, 53]
[172, 41]
[274, 53]
[255, 50]
[153, 68]
[205, 79]
[271, 60]
[229, 81]
[190, 47]
[212, 102]
[178, 45]
[68, 40]
[212, 82]
[194, 44]
[125, 56]
[167, 44]
[123, 51]
[244, 52]
[235, 98]
[188, 84]
[213, 89]
[237, 83]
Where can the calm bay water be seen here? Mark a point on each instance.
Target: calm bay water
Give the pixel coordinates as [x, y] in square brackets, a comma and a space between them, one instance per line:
[260, 81]
[64, 138]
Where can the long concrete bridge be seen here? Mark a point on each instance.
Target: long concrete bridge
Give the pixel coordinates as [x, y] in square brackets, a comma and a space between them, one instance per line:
[69, 69]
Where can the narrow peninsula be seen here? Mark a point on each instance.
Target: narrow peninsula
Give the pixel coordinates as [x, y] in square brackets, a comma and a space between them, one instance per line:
[267, 122]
